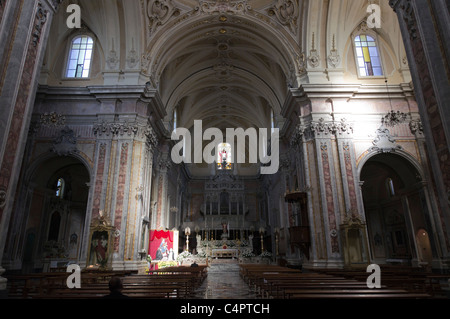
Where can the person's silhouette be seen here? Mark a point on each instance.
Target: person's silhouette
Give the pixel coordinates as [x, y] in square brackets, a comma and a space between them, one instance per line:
[115, 288]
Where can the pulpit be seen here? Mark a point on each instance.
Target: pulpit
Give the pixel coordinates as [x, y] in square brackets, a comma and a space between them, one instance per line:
[300, 234]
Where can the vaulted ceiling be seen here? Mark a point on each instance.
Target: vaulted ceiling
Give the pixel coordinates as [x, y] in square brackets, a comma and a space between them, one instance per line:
[229, 63]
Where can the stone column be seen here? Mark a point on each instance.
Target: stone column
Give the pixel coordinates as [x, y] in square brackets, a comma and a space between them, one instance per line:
[352, 197]
[164, 165]
[424, 26]
[322, 131]
[24, 31]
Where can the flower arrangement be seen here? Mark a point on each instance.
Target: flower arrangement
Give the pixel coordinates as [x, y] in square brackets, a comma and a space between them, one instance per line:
[266, 254]
[184, 255]
[164, 264]
[248, 253]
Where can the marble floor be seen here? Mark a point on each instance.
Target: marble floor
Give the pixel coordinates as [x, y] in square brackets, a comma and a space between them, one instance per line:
[224, 282]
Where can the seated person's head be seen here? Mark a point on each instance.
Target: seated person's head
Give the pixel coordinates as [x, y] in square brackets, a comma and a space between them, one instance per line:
[115, 284]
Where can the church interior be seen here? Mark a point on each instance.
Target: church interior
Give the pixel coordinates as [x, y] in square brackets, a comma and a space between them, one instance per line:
[352, 97]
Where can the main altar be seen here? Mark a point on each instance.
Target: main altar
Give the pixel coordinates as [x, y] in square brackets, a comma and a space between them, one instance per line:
[224, 227]
[224, 248]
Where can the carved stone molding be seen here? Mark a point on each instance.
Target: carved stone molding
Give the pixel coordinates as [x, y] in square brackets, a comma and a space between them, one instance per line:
[416, 127]
[160, 12]
[343, 128]
[322, 128]
[66, 143]
[224, 6]
[287, 13]
[313, 58]
[405, 8]
[334, 59]
[301, 63]
[52, 119]
[115, 129]
[152, 138]
[224, 72]
[125, 129]
[40, 20]
[112, 60]
[133, 57]
[384, 141]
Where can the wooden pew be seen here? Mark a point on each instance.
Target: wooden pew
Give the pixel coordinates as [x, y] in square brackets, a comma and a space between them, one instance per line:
[29, 285]
[272, 282]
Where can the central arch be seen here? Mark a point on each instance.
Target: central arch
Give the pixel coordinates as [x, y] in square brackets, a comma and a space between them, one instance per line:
[227, 70]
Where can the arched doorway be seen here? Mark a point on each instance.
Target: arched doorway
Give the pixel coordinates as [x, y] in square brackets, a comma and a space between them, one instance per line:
[395, 208]
[56, 207]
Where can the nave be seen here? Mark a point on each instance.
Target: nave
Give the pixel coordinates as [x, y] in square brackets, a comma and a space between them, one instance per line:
[227, 279]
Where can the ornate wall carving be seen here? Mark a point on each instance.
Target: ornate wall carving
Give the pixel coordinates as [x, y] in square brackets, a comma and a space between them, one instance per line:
[287, 13]
[159, 12]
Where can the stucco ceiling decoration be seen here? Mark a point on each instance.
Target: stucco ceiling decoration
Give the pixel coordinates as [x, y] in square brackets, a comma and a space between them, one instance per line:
[287, 13]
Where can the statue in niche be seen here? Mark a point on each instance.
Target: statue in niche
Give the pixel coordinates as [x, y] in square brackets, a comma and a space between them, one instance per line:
[224, 227]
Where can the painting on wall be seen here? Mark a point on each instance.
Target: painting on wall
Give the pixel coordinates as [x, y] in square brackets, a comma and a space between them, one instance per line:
[163, 245]
[100, 244]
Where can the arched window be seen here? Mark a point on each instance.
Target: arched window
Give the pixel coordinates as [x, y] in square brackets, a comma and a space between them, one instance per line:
[175, 119]
[80, 57]
[224, 156]
[367, 56]
[60, 185]
[272, 121]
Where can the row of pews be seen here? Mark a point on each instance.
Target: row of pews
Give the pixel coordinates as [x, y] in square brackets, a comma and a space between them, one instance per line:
[172, 282]
[277, 282]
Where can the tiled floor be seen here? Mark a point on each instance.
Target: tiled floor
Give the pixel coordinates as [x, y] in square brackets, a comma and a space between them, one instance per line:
[224, 282]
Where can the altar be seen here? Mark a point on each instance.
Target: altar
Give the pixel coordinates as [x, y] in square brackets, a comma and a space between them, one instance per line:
[225, 252]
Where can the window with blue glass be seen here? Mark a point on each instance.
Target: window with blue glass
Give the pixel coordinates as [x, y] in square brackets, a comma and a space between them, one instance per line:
[367, 56]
